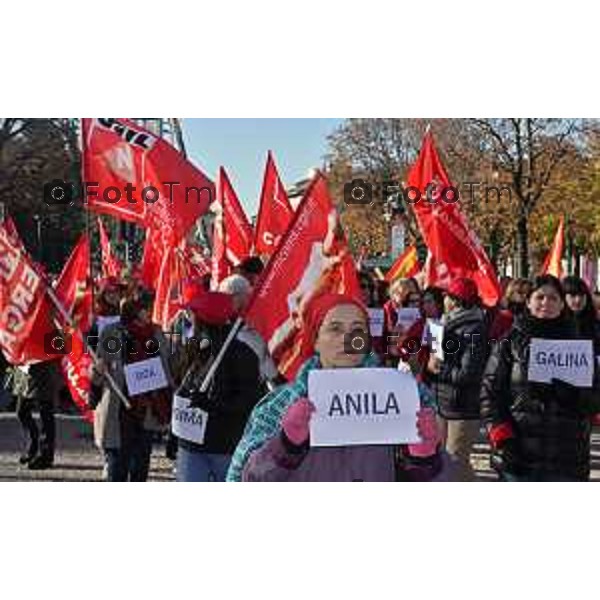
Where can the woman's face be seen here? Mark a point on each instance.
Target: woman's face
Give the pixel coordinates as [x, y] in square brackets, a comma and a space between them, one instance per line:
[112, 297]
[338, 323]
[576, 302]
[400, 292]
[430, 307]
[545, 303]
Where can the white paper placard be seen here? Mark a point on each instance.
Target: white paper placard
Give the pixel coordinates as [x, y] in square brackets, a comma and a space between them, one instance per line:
[363, 406]
[433, 337]
[104, 322]
[407, 317]
[568, 360]
[376, 319]
[188, 423]
[145, 376]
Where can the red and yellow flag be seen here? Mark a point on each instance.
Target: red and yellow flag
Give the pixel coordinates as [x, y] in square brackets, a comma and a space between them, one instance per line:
[406, 265]
[552, 264]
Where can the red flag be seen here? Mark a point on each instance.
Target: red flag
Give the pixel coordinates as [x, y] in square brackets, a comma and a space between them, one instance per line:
[406, 265]
[232, 239]
[275, 213]
[25, 312]
[76, 368]
[454, 247]
[72, 288]
[158, 188]
[167, 300]
[553, 262]
[313, 257]
[111, 266]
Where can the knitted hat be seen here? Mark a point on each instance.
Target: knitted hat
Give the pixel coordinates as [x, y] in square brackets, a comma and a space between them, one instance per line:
[213, 308]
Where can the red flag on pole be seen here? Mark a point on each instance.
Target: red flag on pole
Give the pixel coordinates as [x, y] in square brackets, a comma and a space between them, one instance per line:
[553, 261]
[232, 239]
[275, 212]
[454, 247]
[312, 258]
[142, 178]
[24, 309]
[111, 266]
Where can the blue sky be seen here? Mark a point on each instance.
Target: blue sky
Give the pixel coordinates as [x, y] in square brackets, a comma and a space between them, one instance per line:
[241, 146]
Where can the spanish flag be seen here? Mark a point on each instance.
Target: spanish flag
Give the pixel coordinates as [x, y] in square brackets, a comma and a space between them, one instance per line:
[552, 265]
[406, 265]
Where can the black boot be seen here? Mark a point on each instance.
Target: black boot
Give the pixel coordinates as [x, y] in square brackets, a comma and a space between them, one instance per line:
[44, 460]
[28, 456]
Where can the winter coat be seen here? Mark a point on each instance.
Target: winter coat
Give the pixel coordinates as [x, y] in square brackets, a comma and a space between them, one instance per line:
[265, 454]
[550, 421]
[233, 393]
[457, 385]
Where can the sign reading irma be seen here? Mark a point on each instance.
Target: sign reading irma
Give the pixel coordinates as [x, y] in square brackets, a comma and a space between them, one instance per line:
[145, 376]
[568, 360]
[188, 423]
[363, 406]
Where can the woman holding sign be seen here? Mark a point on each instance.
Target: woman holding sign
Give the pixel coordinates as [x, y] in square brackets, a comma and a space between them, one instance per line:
[539, 430]
[276, 444]
[136, 355]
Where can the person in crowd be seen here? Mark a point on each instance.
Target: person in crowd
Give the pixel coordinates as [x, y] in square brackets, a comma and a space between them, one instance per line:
[107, 308]
[455, 378]
[232, 394]
[276, 444]
[433, 303]
[251, 268]
[239, 288]
[367, 288]
[596, 301]
[382, 290]
[37, 385]
[515, 296]
[579, 307]
[124, 435]
[404, 293]
[538, 431]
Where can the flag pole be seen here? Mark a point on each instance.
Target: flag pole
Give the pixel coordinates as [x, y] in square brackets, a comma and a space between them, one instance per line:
[65, 315]
[215, 365]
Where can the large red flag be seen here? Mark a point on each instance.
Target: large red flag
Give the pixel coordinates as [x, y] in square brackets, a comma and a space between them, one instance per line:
[275, 212]
[553, 261]
[25, 313]
[312, 258]
[155, 185]
[232, 239]
[111, 266]
[454, 247]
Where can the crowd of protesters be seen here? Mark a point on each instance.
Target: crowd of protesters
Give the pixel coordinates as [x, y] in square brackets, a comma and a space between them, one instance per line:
[258, 424]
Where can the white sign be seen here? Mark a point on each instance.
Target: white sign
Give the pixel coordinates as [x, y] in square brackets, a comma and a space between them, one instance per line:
[407, 317]
[363, 406]
[376, 319]
[433, 337]
[188, 423]
[568, 360]
[104, 322]
[145, 376]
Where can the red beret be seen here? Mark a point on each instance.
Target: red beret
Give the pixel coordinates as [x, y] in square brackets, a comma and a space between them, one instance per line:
[213, 308]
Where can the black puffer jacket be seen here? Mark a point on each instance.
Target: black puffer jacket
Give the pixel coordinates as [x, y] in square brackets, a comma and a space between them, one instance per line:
[233, 393]
[551, 422]
[457, 386]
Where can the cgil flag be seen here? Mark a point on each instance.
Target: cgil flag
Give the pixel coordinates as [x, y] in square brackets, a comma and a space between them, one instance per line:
[111, 266]
[275, 212]
[232, 234]
[136, 176]
[454, 248]
[312, 258]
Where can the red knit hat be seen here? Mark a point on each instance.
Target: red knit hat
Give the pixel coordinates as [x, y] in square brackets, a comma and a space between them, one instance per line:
[213, 308]
[464, 289]
[315, 312]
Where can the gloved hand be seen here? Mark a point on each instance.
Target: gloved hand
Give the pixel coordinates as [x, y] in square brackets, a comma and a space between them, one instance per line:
[428, 432]
[504, 457]
[201, 400]
[296, 421]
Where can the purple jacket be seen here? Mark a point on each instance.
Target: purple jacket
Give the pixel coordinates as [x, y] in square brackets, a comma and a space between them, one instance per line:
[278, 460]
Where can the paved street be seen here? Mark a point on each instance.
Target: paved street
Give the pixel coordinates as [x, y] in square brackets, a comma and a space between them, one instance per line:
[77, 458]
